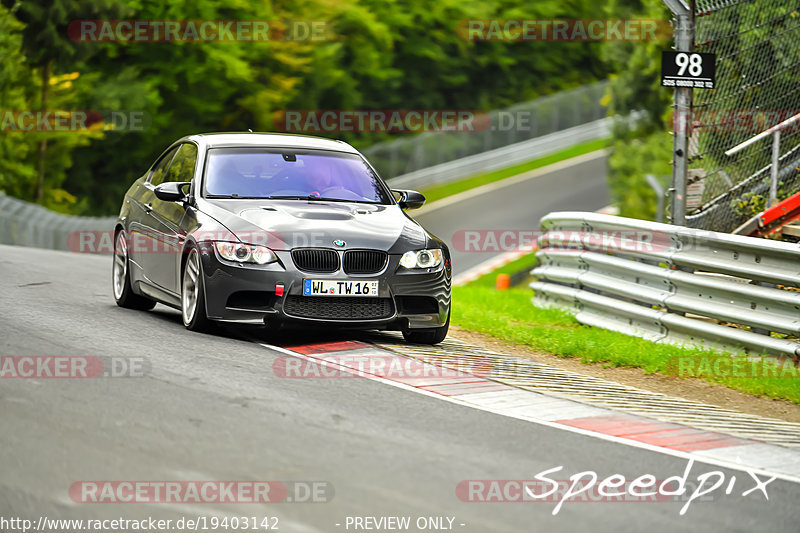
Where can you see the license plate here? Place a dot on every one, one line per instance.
(315, 287)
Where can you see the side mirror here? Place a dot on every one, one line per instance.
(409, 199)
(171, 191)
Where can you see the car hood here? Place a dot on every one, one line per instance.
(288, 224)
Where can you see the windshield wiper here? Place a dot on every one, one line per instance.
(309, 197)
(233, 196)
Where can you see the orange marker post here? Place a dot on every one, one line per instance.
(503, 282)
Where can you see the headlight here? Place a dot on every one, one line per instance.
(422, 259)
(245, 253)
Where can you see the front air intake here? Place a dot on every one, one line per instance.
(316, 260)
(338, 308)
(364, 261)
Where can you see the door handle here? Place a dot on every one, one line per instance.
(148, 207)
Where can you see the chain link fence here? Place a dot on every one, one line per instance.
(508, 126)
(757, 47)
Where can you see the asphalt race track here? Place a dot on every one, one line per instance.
(212, 408)
(569, 186)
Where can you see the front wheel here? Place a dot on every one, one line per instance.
(193, 297)
(123, 293)
(427, 335)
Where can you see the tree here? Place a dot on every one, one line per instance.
(46, 46)
(404, 54)
(641, 146)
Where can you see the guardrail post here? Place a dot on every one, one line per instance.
(684, 42)
(762, 331)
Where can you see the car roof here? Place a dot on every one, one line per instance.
(268, 140)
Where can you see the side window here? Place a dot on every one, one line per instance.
(157, 176)
(182, 167)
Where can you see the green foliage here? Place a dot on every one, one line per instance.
(16, 173)
(525, 263)
(404, 54)
(509, 316)
(629, 162)
(35, 42)
(636, 82)
(751, 204)
(44, 36)
(640, 146)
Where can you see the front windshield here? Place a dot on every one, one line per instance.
(248, 173)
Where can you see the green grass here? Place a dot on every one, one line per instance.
(510, 316)
(526, 262)
(442, 191)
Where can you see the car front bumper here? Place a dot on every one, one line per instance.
(251, 294)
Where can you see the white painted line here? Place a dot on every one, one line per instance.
(498, 261)
(560, 413)
(488, 266)
(715, 461)
(510, 398)
(763, 455)
(534, 404)
(513, 180)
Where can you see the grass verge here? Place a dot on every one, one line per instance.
(510, 316)
(448, 189)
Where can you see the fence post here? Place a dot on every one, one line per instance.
(659, 190)
(684, 42)
(773, 171)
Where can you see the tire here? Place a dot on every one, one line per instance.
(427, 335)
(193, 294)
(121, 279)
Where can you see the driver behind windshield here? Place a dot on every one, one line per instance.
(334, 176)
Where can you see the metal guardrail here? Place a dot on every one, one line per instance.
(517, 134)
(512, 125)
(671, 284)
(26, 224)
(504, 157)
